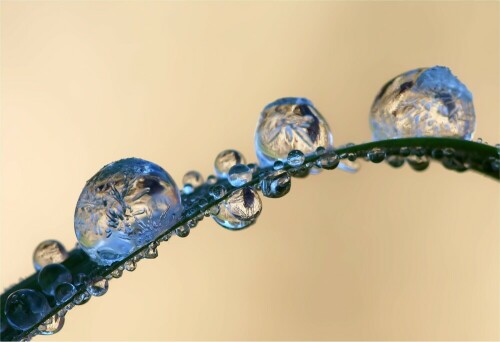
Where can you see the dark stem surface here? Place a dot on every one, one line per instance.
(475, 156)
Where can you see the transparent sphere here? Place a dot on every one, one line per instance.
(24, 308)
(423, 102)
(53, 326)
(52, 276)
(225, 160)
(239, 175)
(64, 292)
(49, 252)
(290, 124)
(239, 210)
(125, 205)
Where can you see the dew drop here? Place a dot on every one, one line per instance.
(376, 155)
(329, 160)
(24, 308)
(239, 210)
(98, 287)
(64, 292)
(423, 102)
(152, 251)
(187, 189)
(404, 151)
(49, 252)
(276, 185)
(124, 206)
(183, 231)
(278, 165)
(239, 175)
(54, 325)
(194, 178)
(395, 160)
(418, 163)
(211, 180)
(51, 276)
(117, 273)
(253, 167)
(295, 158)
(217, 191)
(130, 265)
(82, 298)
(225, 160)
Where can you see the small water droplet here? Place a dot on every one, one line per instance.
(239, 175)
(295, 158)
(64, 292)
(395, 160)
(130, 265)
(239, 210)
(81, 279)
(117, 273)
(98, 287)
(225, 160)
(211, 180)
(183, 231)
(55, 324)
(453, 163)
(329, 160)
(404, 151)
(217, 191)
(202, 203)
(194, 178)
(49, 252)
(253, 167)
(320, 151)
(278, 165)
(24, 308)
(51, 276)
(214, 210)
(376, 155)
(152, 251)
(276, 184)
(82, 298)
(187, 189)
(418, 163)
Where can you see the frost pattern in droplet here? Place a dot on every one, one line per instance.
(51, 276)
(24, 308)
(125, 205)
(290, 124)
(239, 210)
(48, 252)
(423, 102)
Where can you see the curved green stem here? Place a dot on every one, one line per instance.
(479, 157)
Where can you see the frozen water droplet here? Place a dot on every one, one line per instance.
(295, 158)
(418, 163)
(376, 155)
(194, 178)
(64, 292)
(225, 160)
(276, 184)
(290, 124)
(98, 287)
(239, 175)
(239, 210)
(49, 252)
(183, 231)
(278, 165)
(328, 160)
(395, 160)
(55, 324)
(24, 308)
(217, 191)
(423, 102)
(130, 265)
(51, 276)
(151, 251)
(124, 206)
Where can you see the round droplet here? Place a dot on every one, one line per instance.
(82, 298)
(404, 151)
(423, 102)
(239, 210)
(211, 179)
(183, 231)
(98, 287)
(81, 279)
(278, 165)
(64, 292)
(418, 163)
(290, 124)
(217, 191)
(395, 160)
(130, 265)
(376, 155)
(52, 276)
(117, 273)
(239, 175)
(329, 160)
(49, 252)
(151, 251)
(295, 158)
(225, 160)
(127, 204)
(24, 308)
(54, 325)
(194, 178)
(320, 151)
(276, 184)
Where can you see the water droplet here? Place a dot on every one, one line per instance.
(51, 276)
(395, 160)
(211, 180)
(194, 178)
(453, 163)
(214, 210)
(290, 124)
(276, 184)
(49, 252)
(329, 160)
(117, 273)
(152, 251)
(125, 205)
(239, 175)
(404, 151)
(239, 210)
(130, 265)
(187, 189)
(81, 279)
(183, 231)
(98, 287)
(54, 325)
(225, 160)
(217, 191)
(24, 308)
(82, 298)
(253, 167)
(278, 165)
(423, 102)
(376, 155)
(295, 158)
(351, 156)
(320, 151)
(418, 163)
(495, 164)
(64, 292)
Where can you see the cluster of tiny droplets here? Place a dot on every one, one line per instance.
(285, 149)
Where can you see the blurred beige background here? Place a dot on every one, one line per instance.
(383, 254)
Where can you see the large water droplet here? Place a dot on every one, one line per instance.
(24, 308)
(225, 160)
(239, 210)
(49, 252)
(423, 102)
(98, 287)
(239, 175)
(52, 326)
(51, 276)
(290, 124)
(64, 292)
(276, 184)
(127, 204)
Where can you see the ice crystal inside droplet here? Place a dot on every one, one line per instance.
(423, 102)
(125, 205)
(290, 124)
(49, 252)
(24, 308)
